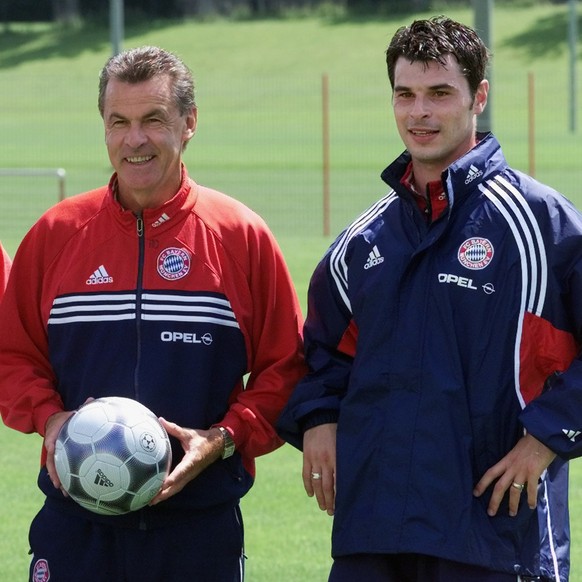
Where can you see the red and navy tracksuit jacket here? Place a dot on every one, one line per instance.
(434, 346)
(189, 309)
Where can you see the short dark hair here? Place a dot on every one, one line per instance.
(142, 64)
(431, 40)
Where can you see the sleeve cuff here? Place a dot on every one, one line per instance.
(317, 418)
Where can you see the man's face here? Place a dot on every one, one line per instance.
(145, 135)
(435, 112)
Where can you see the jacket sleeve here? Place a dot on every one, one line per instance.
(27, 384)
(5, 264)
(330, 338)
(555, 416)
(273, 325)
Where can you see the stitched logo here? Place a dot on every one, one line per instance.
(41, 572)
(571, 434)
(99, 277)
(475, 253)
(374, 258)
(173, 263)
(473, 174)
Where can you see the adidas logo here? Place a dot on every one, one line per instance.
(473, 174)
(102, 480)
(163, 218)
(572, 434)
(99, 277)
(374, 259)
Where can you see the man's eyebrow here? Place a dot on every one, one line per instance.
(156, 112)
(438, 87)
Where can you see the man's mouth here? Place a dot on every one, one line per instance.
(423, 132)
(138, 159)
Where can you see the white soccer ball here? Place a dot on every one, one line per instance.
(112, 455)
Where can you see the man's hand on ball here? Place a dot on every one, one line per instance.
(201, 449)
(52, 429)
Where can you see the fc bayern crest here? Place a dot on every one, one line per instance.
(173, 263)
(41, 572)
(475, 253)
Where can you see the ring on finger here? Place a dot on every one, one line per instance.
(315, 476)
(519, 486)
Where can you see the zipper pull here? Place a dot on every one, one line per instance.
(139, 226)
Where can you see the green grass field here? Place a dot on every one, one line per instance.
(259, 139)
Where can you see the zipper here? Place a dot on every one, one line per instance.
(139, 225)
(138, 300)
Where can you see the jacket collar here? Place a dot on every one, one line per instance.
(163, 217)
(463, 176)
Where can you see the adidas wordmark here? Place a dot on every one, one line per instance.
(99, 277)
(375, 258)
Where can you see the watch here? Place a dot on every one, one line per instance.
(229, 446)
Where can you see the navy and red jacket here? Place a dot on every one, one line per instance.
(434, 345)
(188, 308)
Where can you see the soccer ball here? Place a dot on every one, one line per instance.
(112, 455)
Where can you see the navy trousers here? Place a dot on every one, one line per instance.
(413, 568)
(69, 548)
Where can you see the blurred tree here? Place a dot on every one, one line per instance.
(198, 7)
(383, 6)
(66, 11)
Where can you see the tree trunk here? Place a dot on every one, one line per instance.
(66, 11)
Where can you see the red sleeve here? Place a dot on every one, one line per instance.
(27, 394)
(5, 264)
(272, 323)
(544, 349)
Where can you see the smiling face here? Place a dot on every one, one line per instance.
(145, 135)
(435, 114)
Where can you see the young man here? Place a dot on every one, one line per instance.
(444, 396)
(167, 292)
(5, 263)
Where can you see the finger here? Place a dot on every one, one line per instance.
(323, 486)
(515, 492)
(52, 471)
(487, 479)
(496, 497)
(307, 481)
(532, 497)
(315, 483)
(171, 427)
(172, 484)
(320, 493)
(328, 488)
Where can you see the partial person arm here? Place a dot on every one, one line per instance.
(27, 384)
(5, 264)
(551, 368)
(319, 465)
(309, 422)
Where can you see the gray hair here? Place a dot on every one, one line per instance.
(141, 64)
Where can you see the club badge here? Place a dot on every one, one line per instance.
(41, 572)
(475, 253)
(173, 264)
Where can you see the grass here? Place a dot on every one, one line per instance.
(259, 139)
